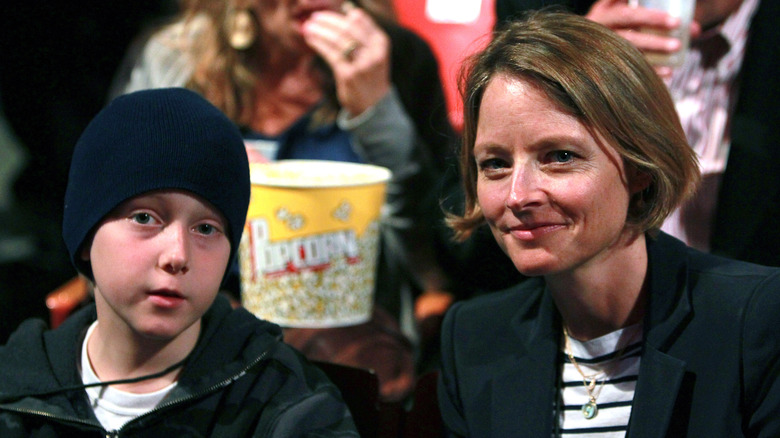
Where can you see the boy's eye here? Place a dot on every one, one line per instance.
(206, 229)
(142, 218)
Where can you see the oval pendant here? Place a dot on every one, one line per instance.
(589, 410)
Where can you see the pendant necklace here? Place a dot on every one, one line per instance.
(590, 409)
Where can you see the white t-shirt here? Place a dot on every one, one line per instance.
(112, 407)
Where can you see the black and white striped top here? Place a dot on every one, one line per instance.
(614, 361)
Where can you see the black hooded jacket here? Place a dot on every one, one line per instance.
(240, 380)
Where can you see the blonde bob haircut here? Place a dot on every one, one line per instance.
(605, 82)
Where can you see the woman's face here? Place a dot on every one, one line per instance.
(554, 198)
(282, 20)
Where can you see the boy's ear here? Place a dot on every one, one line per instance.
(84, 252)
(86, 247)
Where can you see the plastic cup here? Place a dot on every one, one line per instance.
(682, 9)
(309, 249)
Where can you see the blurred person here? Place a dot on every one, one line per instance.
(574, 156)
(325, 80)
(380, 8)
(312, 80)
(729, 109)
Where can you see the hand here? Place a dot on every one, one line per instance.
(628, 21)
(358, 52)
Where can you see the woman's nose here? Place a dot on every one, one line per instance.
(524, 191)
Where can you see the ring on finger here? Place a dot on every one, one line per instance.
(349, 52)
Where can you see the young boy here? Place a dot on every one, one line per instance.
(154, 210)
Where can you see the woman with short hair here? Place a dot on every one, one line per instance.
(573, 155)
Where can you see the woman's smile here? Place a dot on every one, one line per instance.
(534, 231)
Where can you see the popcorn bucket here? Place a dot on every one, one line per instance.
(310, 245)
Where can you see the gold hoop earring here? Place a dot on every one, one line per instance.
(241, 30)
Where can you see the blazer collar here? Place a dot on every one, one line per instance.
(669, 304)
(537, 322)
(669, 310)
(524, 387)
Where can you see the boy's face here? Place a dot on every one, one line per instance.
(158, 260)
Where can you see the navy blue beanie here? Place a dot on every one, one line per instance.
(169, 138)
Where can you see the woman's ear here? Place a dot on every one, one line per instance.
(638, 180)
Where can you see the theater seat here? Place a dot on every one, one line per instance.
(415, 418)
(62, 301)
(360, 389)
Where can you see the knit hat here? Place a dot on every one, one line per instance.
(148, 140)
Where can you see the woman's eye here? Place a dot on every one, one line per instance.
(142, 218)
(491, 164)
(561, 156)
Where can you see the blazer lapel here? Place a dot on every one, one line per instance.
(660, 375)
(659, 382)
(524, 388)
(669, 304)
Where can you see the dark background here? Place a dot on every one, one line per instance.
(57, 62)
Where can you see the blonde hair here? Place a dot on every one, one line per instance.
(600, 78)
(220, 72)
(227, 76)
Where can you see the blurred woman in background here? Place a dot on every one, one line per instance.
(326, 80)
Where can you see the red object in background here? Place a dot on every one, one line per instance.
(62, 301)
(451, 41)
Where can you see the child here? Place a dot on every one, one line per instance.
(154, 210)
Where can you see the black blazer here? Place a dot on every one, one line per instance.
(710, 366)
(746, 224)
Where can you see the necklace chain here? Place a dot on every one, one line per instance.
(590, 409)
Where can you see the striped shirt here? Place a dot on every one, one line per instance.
(704, 89)
(613, 360)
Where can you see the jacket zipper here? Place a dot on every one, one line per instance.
(72, 420)
(209, 390)
(117, 433)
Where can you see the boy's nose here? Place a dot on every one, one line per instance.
(174, 255)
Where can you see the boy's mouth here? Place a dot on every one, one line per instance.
(166, 298)
(166, 292)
